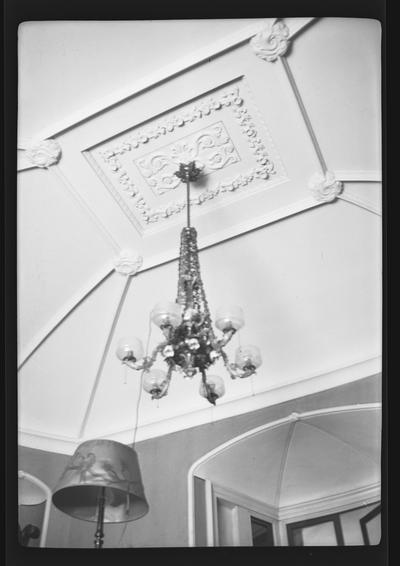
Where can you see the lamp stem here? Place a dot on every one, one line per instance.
(188, 200)
(99, 535)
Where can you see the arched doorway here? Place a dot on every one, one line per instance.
(307, 479)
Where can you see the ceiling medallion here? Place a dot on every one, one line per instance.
(44, 154)
(190, 345)
(324, 186)
(128, 262)
(269, 44)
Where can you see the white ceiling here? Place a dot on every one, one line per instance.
(307, 273)
(306, 458)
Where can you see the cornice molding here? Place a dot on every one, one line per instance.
(337, 503)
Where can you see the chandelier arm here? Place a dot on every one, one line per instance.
(133, 365)
(228, 365)
(227, 336)
(167, 330)
(234, 370)
(149, 360)
(146, 362)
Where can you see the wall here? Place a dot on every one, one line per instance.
(165, 462)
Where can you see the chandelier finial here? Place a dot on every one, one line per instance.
(188, 171)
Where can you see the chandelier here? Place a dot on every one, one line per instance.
(190, 345)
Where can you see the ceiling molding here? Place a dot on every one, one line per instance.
(110, 334)
(304, 113)
(296, 25)
(333, 503)
(362, 203)
(248, 225)
(270, 396)
(185, 63)
(63, 313)
(353, 191)
(362, 176)
(211, 146)
(359, 452)
(108, 237)
(337, 503)
(285, 451)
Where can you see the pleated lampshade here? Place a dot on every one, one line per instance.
(96, 464)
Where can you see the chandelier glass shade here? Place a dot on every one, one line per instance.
(190, 345)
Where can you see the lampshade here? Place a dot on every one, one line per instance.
(166, 313)
(96, 464)
(248, 356)
(129, 347)
(29, 493)
(229, 317)
(216, 385)
(154, 382)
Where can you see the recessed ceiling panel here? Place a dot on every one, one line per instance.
(220, 130)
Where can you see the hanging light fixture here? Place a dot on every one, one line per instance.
(190, 344)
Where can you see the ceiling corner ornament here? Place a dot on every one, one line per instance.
(325, 187)
(128, 263)
(44, 154)
(271, 43)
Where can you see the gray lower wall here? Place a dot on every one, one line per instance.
(165, 462)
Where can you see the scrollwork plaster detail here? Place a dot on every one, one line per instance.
(44, 154)
(325, 187)
(211, 148)
(128, 262)
(228, 99)
(271, 43)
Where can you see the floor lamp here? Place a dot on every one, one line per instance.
(102, 483)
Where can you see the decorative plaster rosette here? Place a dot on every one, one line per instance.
(269, 44)
(128, 263)
(229, 98)
(325, 188)
(44, 154)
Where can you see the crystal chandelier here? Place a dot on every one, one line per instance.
(190, 345)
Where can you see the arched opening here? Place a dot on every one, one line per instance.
(305, 480)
